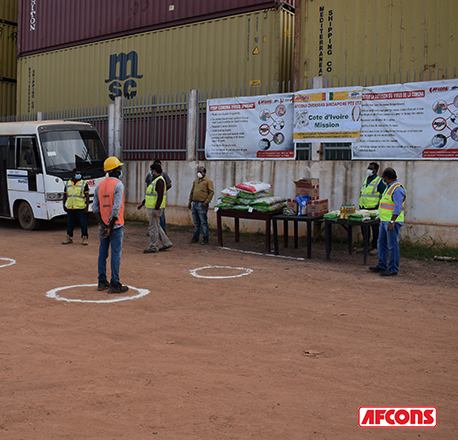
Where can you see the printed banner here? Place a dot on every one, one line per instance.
(409, 121)
(257, 127)
(327, 115)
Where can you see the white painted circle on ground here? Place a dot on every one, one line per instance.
(195, 274)
(11, 262)
(53, 294)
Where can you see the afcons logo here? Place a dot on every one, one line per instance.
(122, 76)
(397, 417)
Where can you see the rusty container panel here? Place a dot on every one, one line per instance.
(8, 12)
(8, 61)
(227, 52)
(380, 38)
(53, 24)
(7, 98)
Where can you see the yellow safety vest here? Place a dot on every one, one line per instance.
(370, 198)
(151, 194)
(76, 199)
(386, 207)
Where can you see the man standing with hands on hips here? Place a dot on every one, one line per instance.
(391, 213)
(200, 197)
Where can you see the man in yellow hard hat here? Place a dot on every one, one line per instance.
(108, 208)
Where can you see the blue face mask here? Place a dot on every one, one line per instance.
(120, 175)
(77, 176)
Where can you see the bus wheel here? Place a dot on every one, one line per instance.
(25, 217)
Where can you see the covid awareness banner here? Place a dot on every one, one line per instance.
(327, 115)
(409, 121)
(257, 127)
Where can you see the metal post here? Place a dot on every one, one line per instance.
(316, 147)
(191, 146)
(115, 128)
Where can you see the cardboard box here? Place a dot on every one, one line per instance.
(315, 208)
(307, 187)
(291, 204)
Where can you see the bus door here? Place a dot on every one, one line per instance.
(4, 203)
(29, 162)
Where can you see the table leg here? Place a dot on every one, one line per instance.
(296, 235)
(237, 229)
(268, 236)
(285, 232)
(220, 229)
(327, 235)
(275, 226)
(365, 241)
(350, 239)
(309, 239)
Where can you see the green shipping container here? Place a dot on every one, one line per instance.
(253, 48)
(9, 12)
(7, 99)
(379, 38)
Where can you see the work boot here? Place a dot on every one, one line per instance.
(84, 241)
(205, 240)
(68, 240)
(117, 288)
(103, 285)
(194, 240)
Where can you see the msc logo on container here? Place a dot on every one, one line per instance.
(122, 81)
(397, 417)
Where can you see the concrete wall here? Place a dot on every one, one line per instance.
(431, 207)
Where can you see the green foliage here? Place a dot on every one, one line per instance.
(425, 247)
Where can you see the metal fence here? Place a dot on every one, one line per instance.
(156, 126)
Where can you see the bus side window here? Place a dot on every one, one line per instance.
(28, 154)
(8, 143)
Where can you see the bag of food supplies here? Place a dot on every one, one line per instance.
(253, 186)
(232, 192)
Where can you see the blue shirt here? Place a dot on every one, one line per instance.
(398, 196)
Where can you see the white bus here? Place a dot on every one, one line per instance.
(36, 160)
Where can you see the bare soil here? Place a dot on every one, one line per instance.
(289, 351)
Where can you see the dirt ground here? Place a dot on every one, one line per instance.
(288, 351)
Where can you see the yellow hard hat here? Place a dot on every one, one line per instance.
(111, 163)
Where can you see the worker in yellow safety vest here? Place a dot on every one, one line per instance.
(371, 193)
(76, 203)
(391, 213)
(155, 200)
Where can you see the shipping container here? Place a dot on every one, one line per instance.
(231, 51)
(47, 25)
(380, 39)
(8, 60)
(8, 12)
(7, 98)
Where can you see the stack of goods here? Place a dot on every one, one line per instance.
(345, 210)
(250, 196)
(363, 215)
(333, 215)
(314, 206)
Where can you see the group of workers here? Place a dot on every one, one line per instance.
(108, 208)
(383, 193)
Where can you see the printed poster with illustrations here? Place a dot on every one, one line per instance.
(327, 115)
(257, 127)
(409, 121)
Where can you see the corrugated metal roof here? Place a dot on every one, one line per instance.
(52, 24)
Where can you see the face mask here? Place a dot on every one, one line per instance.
(120, 175)
(199, 175)
(370, 172)
(77, 176)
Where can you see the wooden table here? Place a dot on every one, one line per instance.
(296, 219)
(365, 225)
(237, 215)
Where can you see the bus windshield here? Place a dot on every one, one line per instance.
(65, 150)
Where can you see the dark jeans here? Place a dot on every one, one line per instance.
(199, 218)
(72, 216)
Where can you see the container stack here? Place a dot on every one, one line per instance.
(85, 53)
(8, 61)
